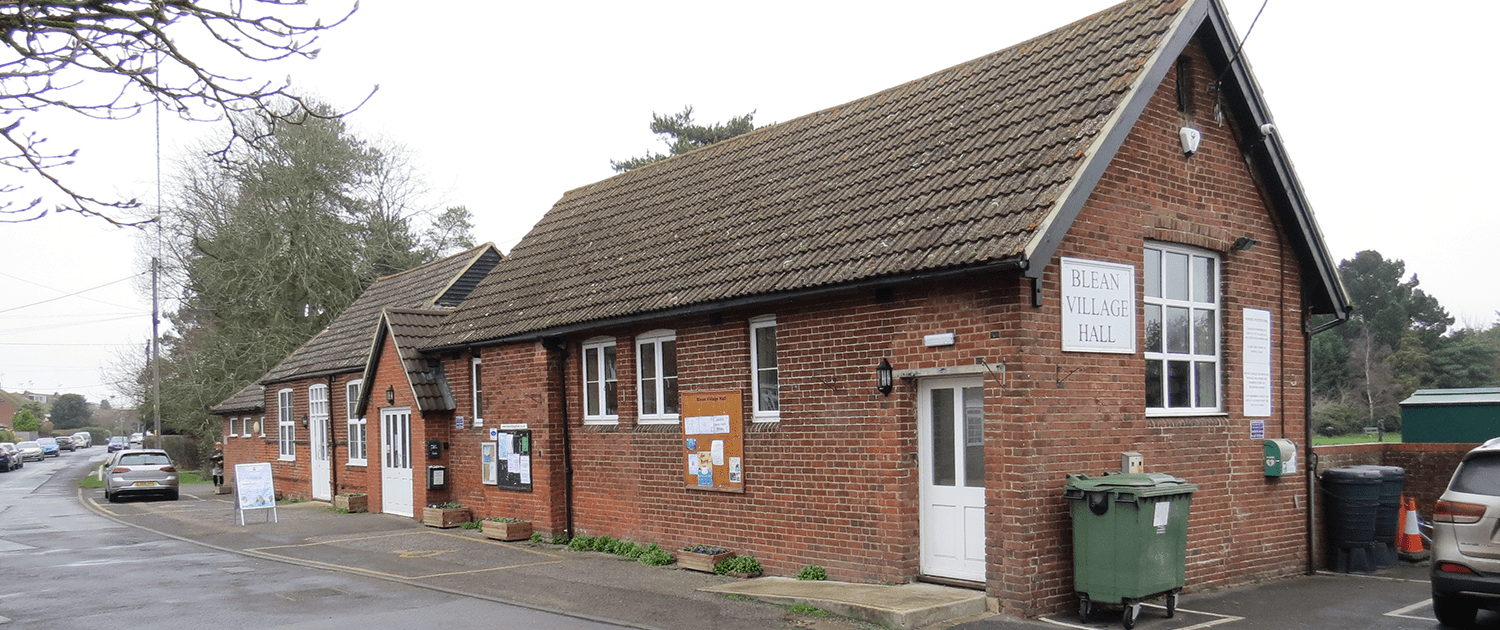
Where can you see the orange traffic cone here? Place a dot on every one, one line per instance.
(1409, 540)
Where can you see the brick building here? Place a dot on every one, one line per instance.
(1083, 245)
(299, 415)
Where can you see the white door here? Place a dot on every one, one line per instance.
(395, 462)
(322, 463)
(950, 436)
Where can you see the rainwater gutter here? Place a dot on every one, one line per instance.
(561, 348)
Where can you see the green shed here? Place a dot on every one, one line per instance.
(1451, 415)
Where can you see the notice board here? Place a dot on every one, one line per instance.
(512, 459)
(713, 440)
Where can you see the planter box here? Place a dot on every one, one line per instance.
(445, 518)
(496, 530)
(701, 561)
(352, 503)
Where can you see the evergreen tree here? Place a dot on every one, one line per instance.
(686, 135)
(71, 411)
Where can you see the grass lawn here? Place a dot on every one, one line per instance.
(1356, 438)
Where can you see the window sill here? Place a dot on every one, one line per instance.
(284, 458)
(601, 421)
(360, 463)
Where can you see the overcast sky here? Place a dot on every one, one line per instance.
(509, 106)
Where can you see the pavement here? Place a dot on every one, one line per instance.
(606, 588)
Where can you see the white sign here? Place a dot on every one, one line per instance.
(1098, 306)
(254, 490)
(1257, 352)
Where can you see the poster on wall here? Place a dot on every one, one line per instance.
(513, 459)
(1098, 310)
(1257, 327)
(713, 441)
(487, 463)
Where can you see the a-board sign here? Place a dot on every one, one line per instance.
(254, 489)
(713, 441)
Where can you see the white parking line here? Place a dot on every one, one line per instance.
(1401, 612)
(1220, 619)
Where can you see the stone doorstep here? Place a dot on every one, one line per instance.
(900, 606)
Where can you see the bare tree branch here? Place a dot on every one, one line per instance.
(110, 59)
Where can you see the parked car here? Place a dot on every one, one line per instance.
(118, 443)
(8, 458)
(145, 471)
(17, 460)
(1465, 554)
(83, 439)
(137, 440)
(31, 451)
(49, 446)
(65, 443)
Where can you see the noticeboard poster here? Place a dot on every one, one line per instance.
(713, 441)
(513, 459)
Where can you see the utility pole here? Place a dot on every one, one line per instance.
(155, 351)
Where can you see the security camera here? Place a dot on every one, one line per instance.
(1267, 129)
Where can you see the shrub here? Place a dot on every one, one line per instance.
(581, 543)
(536, 537)
(559, 539)
(738, 564)
(654, 556)
(812, 572)
(472, 525)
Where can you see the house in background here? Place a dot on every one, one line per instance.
(299, 416)
(878, 337)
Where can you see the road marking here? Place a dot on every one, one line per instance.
(424, 553)
(1221, 619)
(406, 554)
(1401, 612)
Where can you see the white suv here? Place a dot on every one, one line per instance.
(83, 439)
(1465, 555)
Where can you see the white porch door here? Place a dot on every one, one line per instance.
(395, 462)
(322, 459)
(950, 436)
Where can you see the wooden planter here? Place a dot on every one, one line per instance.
(496, 530)
(352, 502)
(701, 561)
(444, 517)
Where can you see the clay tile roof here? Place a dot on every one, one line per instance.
(345, 344)
(959, 168)
(251, 399)
(412, 330)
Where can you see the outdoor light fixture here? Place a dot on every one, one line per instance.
(304, 421)
(1243, 244)
(390, 395)
(883, 377)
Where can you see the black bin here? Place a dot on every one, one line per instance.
(1352, 501)
(1388, 512)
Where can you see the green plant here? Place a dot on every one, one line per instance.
(559, 539)
(705, 550)
(603, 543)
(472, 525)
(738, 564)
(581, 543)
(654, 556)
(503, 519)
(807, 609)
(446, 505)
(812, 572)
(536, 537)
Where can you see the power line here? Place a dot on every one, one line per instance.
(17, 308)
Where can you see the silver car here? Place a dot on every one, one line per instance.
(146, 471)
(13, 458)
(31, 451)
(1465, 553)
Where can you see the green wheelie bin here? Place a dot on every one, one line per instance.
(1129, 540)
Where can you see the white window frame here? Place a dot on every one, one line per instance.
(657, 386)
(476, 389)
(1159, 353)
(596, 390)
(262, 425)
(232, 431)
(756, 371)
(358, 438)
(286, 427)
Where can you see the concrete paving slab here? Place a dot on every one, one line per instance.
(900, 606)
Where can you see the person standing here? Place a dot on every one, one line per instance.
(216, 460)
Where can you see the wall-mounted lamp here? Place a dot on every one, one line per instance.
(304, 421)
(884, 377)
(1243, 244)
(390, 395)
